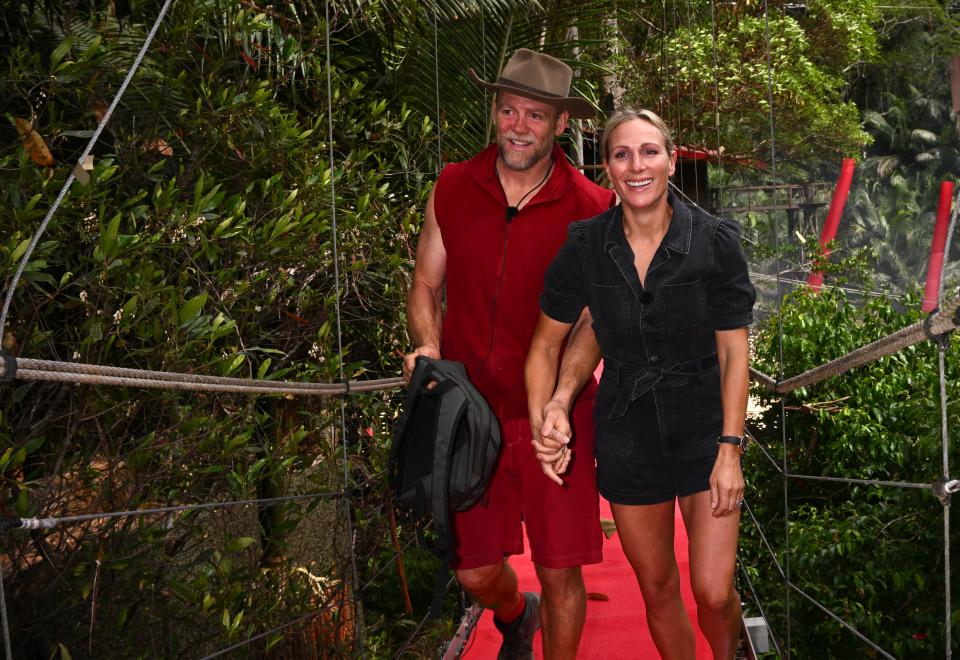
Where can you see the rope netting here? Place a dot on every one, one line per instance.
(348, 500)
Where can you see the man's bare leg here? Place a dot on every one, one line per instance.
(563, 609)
(494, 587)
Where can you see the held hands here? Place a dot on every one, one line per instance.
(410, 359)
(726, 482)
(551, 437)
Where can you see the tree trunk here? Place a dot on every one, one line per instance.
(612, 90)
(576, 126)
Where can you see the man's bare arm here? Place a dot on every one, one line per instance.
(425, 297)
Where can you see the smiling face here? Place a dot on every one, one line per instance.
(639, 165)
(525, 130)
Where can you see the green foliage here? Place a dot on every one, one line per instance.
(870, 554)
(706, 70)
(904, 95)
(226, 231)
(222, 232)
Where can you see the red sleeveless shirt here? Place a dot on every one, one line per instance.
(495, 268)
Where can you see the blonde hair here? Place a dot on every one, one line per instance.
(629, 114)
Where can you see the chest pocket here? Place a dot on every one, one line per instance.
(685, 305)
(610, 307)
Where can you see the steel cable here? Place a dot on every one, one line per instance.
(56, 521)
(763, 614)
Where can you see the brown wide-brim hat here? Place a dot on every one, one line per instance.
(542, 78)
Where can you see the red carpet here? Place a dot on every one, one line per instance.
(614, 629)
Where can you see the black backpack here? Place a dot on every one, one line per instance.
(444, 450)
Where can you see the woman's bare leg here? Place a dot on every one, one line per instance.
(713, 556)
(646, 533)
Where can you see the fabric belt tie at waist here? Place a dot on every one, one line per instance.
(638, 382)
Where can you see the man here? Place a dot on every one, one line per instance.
(492, 225)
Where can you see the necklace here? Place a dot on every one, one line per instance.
(512, 211)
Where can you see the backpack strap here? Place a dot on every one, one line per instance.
(422, 374)
(448, 420)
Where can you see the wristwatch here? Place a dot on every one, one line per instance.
(738, 440)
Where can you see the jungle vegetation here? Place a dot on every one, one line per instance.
(252, 211)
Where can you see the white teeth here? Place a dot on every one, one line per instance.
(639, 184)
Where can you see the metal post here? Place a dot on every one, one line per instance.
(947, 632)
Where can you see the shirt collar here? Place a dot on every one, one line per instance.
(678, 234)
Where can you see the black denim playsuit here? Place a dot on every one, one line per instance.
(658, 410)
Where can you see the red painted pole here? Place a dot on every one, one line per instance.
(938, 247)
(830, 225)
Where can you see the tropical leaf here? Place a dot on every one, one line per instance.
(924, 136)
(34, 143)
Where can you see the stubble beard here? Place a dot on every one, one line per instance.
(517, 162)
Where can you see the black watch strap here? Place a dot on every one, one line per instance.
(738, 440)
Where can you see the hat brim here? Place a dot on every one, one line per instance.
(578, 108)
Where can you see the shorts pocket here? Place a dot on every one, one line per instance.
(614, 445)
(610, 307)
(709, 405)
(610, 440)
(692, 417)
(676, 409)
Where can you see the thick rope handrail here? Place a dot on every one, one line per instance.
(939, 322)
(53, 522)
(78, 372)
(762, 378)
(954, 217)
(83, 157)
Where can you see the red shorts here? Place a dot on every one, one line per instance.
(563, 523)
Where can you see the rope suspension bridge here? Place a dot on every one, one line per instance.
(936, 328)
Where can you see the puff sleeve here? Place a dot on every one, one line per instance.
(564, 290)
(730, 295)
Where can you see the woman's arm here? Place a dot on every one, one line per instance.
(549, 417)
(726, 480)
(580, 360)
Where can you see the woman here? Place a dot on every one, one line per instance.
(667, 288)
